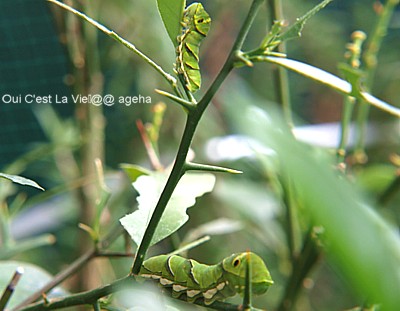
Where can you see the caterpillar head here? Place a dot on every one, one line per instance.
(235, 267)
(201, 19)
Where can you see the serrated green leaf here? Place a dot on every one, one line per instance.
(21, 180)
(150, 187)
(171, 12)
(294, 31)
(134, 171)
(33, 279)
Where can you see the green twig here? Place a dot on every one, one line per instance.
(247, 285)
(89, 297)
(9, 290)
(183, 102)
(371, 61)
(291, 219)
(280, 74)
(72, 268)
(301, 268)
(190, 166)
(92, 296)
(328, 79)
(96, 306)
(193, 119)
(353, 54)
(171, 80)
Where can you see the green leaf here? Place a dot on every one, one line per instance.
(21, 180)
(134, 171)
(334, 203)
(33, 279)
(294, 31)
(150, 187)
(330, 80)
(171, 12)
(376, 178)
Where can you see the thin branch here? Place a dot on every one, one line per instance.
(370, 58)
(193, 119)
(280, 74)
(229, 64)
(183, 102)
(89, 297)
(72, 268)
(302, 266)
(5, 297)
(171, 80)
(151, 153)
(328, 79)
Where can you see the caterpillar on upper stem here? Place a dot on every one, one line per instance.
(212, 283)
(195, 26)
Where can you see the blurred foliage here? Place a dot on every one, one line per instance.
(254, 199)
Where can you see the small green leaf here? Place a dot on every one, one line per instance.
(171, 12)
(294, 31)
(134, 171)
(150, 187)
(33, 279)
(21, 180)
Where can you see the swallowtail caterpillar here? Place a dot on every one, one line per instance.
(195, 26)
(212, 283)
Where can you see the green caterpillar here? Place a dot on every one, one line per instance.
(195, 26)
(215, 282)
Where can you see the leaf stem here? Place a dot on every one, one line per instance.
(190, 166)
(192, 121)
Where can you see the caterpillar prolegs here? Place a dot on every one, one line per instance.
(195, 26)
(210, 282)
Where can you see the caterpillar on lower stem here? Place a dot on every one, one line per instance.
(210, 282)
